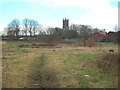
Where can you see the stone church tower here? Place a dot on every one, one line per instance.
(65, 24)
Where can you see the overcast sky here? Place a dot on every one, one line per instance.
(102, 14)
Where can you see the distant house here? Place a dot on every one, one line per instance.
(110, 36)
(98, 37)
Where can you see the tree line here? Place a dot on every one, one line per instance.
(14, 28)
(32, 29)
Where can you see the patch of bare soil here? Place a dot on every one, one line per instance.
(1, 42)
(68, 42)
(38, 46)
(44, 79)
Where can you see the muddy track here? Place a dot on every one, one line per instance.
(41, 76)
(36, 45)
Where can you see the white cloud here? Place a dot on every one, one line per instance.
(13, 0)
(52, 24)
(67, 12)
(101, 15)
(34, 6)
(70, 3)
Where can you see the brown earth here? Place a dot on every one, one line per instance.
(38, 46)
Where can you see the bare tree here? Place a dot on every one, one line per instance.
(26, 26)
(9, 32)
(54, 34)
(50, 30)
(13, 28)
(95, 30)
(35, 24)
(30, 26)
(57, 35)
(85, 33)
(40, 30)
(69, 34)
(74, 27)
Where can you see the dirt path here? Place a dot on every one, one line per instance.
(17, 70)
(42, 75)
(34, 69)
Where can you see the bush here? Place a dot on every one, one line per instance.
(91, 42)
(108, 63)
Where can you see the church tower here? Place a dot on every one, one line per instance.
(65, 24)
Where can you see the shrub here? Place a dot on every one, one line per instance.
(108, 63)
(91, 42)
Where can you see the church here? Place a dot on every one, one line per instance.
(65, 24)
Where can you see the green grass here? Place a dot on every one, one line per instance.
(60, 68)
(4, 58)
(88, 56)
(17, 62)
(11, 51)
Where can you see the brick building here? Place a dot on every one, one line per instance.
(108, 37)
(98, 37)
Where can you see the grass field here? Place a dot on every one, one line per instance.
(69, 66)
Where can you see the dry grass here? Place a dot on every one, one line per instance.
(1, 42)
(108, 63)
(54, 67)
